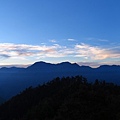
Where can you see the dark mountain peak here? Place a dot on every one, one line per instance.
(38, 65)
(68, 64)
(64, 63)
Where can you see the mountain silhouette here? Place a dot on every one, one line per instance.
(14, 80)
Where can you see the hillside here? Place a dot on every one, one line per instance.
(70, 98)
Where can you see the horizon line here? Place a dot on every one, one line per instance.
(78, 63)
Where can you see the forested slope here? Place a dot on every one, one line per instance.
(70, 98)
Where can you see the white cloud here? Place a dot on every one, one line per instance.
(22, 50)
(53, 41)
(92, 64)
(43, 43)
(71, 39)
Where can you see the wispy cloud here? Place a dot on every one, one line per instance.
(96, 39)
(71, 39)
(53, 41)
(23, 50)
(103, 40)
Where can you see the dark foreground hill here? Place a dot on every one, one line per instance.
(14, 80)
(65, 99)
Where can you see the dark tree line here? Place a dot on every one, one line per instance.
(70, 98)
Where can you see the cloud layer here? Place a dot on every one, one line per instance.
(82, 50)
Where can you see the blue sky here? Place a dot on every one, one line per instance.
(82, 31)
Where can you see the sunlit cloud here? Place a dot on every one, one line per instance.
(92, 64)
(94, 52)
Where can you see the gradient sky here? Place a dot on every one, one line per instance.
(82, 31)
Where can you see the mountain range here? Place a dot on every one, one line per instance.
(14, 80)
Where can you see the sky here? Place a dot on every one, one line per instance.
(86, 32)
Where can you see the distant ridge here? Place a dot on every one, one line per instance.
(109, 66)
(39, 65)
(49, 66)
(67, 64)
